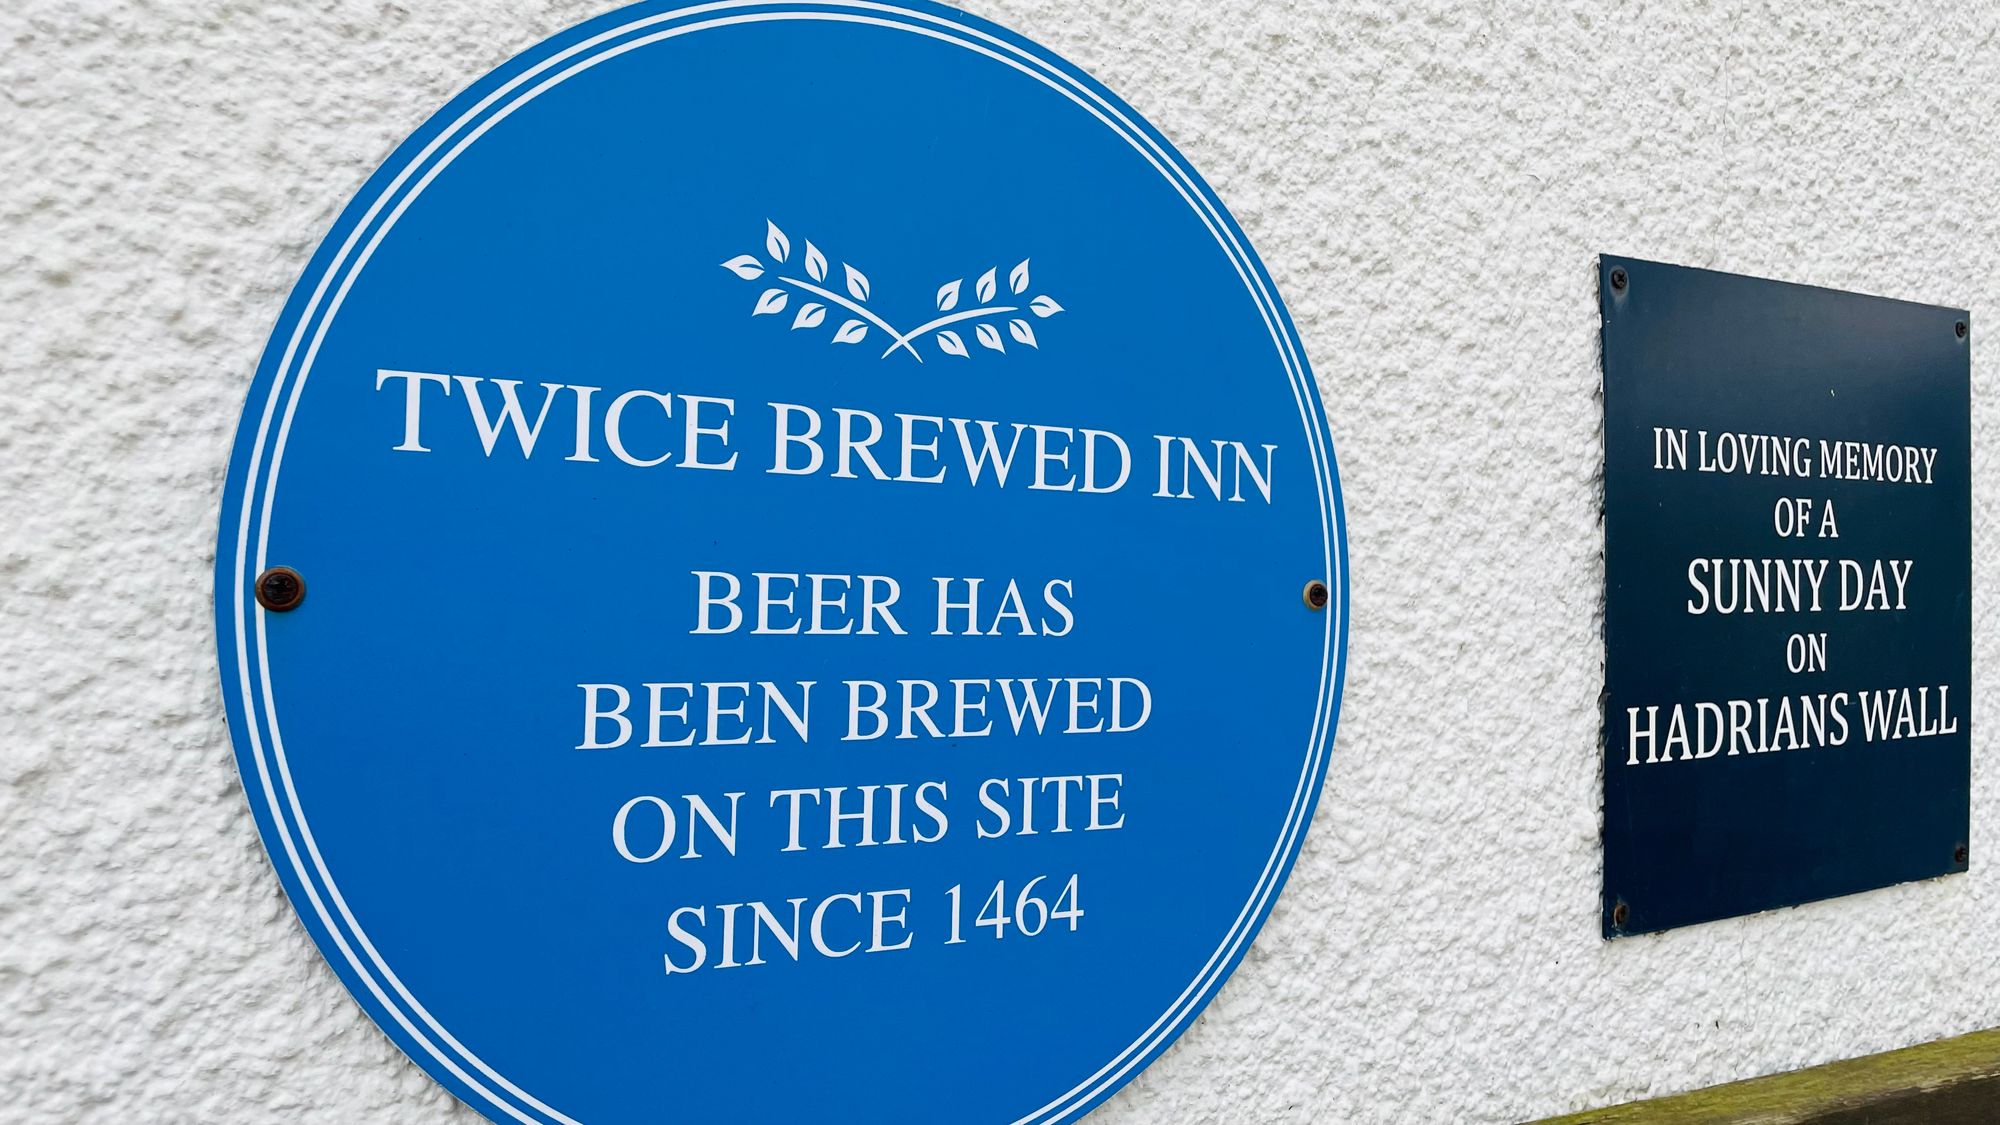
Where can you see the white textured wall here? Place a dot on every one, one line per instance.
(1427, 182)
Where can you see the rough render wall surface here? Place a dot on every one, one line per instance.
(1428, 183)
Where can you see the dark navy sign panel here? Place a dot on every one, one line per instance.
(1788, 576)
(804, 510)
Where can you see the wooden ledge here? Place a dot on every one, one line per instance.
(1950, 1082)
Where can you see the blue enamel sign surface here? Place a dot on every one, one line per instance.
(1788, 583)
(806, 514)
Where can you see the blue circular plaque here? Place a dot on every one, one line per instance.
(816, 583)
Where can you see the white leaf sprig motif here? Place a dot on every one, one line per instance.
(990, 308)
(993, 308)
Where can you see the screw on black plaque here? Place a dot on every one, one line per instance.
(1958, 856)
(1317, 594)
(1620, 914)
(1961, 329)
(280, 589)
(1618, 279)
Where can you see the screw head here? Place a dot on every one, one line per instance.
(1317, 595)
(1619, 280)
(280, 589)
(1961, 329)
(1620, 914)
(1958, 855)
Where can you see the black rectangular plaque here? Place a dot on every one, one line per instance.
(1788, 593)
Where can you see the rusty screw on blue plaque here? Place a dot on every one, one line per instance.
(280, 589)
